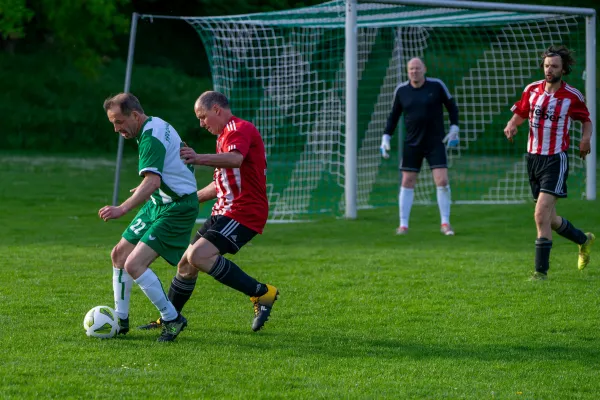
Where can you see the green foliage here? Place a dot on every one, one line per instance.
(84, 30)
(363, 314)
(59, 109)
(14, 14)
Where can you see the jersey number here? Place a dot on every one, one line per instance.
(138, 226)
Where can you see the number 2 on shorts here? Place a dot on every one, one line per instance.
(138, 226)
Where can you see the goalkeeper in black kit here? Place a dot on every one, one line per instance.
(420, 99)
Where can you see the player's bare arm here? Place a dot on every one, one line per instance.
(511, 126)
(232, 159)
(142, 193)
(207, 193)
(586, 136)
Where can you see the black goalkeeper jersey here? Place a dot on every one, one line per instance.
(423, 112)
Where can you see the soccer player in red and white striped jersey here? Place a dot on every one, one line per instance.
(239, 214)
(550, 105)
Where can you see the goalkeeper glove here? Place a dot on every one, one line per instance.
(385, 146)
(452, 137)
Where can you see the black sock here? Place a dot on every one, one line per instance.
(228, 273)
(542, 255)
(180, 291)
(568, 231)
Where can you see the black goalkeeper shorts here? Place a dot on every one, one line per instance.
(412, 157)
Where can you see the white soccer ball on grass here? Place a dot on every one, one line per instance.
(101, 322)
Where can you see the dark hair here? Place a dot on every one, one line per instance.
(126, 102)
(210, 98)
(564, 53)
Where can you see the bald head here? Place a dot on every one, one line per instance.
(415, 61)
(416, 71)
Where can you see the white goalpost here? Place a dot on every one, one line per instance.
(318, 82)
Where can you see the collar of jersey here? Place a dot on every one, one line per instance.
(543, 87)
(142, 128)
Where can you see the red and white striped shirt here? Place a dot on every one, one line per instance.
(242, 192)
(550, 116)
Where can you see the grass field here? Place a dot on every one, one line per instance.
(363, 313)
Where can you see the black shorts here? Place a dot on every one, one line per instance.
(412, 157)
(548, 174)
(225, 233)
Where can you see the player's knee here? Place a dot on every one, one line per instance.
(440, 177)
(133, 269)
(442, 182)
(118, 256)
(198, 259)
(186, 270)
(408, 183)
(540, 216)
(409, 179)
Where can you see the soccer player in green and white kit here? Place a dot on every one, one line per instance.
(163, 225)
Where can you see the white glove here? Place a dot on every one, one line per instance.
(452, 137)
(385, 146)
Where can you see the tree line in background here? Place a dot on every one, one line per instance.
(89, 30)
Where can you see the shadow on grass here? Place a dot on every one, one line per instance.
(394, 349)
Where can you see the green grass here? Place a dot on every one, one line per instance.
(362, 314)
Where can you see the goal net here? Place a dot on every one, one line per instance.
(284, 71)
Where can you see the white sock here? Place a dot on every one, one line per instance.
(443, 199)
(122, 284)
(152, 288)
(405, 201)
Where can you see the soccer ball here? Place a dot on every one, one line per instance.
(101, 322)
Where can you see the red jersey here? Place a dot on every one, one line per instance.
(550, 116)
(242, 192)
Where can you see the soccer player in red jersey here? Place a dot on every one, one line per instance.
(239, 213)
(550, 105)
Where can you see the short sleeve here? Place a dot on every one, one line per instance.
(238, 140)
(521, 107)
(152, 154)
(579, 111)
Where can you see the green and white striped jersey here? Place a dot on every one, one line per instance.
(159, 145)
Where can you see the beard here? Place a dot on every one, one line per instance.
(553, 79)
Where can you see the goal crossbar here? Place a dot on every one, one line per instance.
(483, 5)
